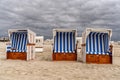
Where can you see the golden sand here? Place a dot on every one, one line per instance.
(43, 68)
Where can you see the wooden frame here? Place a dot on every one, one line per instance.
(64, 56)
(99, 59)
(16, 55)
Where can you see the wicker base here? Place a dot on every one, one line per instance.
(100, 59)
(64, 56)
(16, 55)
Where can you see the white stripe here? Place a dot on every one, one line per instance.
(91, 42)
(13, 41)
(72, 43)
(107, 45)
(23, 42)
(58, 41)
(99, 42)
(65, 42)
(103, 44)
(18, 43)
(62, 43)
(95, 43)
(69, 41)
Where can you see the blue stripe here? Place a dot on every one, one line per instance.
(14, 42)
(60, 41)
(87, 45)
(24, 43)
(100, 43)
(22, 38)
(11, 40)
(16, 39)
(95, 40)
(19, 41)
(74, 40)
(57, 42)
(65, 42)
(97, 43)
(71, 42)
(93, 36)
(90, 42)
(103, 52)
(93, 50)
(18, 46)
(106, 43)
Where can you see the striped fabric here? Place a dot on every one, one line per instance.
(8, 48)
(64, 42)
(18, 41)
(97, 43)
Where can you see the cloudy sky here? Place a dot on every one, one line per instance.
(42, 16)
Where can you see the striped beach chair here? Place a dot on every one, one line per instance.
(96, 45)
(64, 47)
(22, 44)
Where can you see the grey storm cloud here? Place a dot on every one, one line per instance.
(42, 16)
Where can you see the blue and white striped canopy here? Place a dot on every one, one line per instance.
(18, 41)
(97, 43)
(64, 42)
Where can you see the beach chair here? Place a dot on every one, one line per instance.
(64, 46)
(22, 44)
(95, 46)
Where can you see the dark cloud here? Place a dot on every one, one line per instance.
(42, 16)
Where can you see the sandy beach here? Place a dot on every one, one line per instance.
(43, 68)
